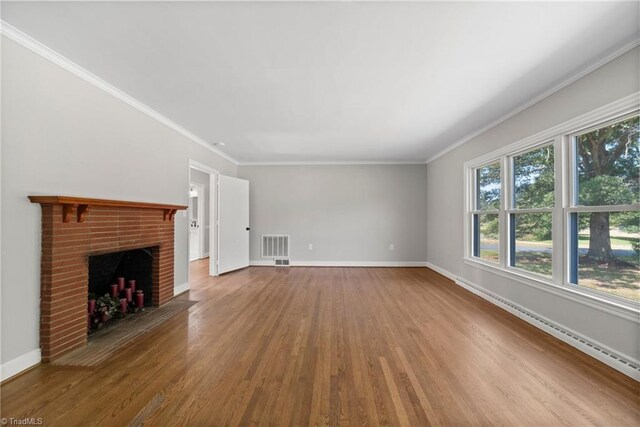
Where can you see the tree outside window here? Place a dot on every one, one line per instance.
(606, 240)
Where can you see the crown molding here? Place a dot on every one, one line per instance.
(333, 163)
(603, 60)
(46, 52)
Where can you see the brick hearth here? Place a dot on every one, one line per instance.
(73, 231)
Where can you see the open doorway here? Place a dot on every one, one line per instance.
(202, 215)
(199, 222)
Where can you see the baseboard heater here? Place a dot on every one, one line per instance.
(621, 364)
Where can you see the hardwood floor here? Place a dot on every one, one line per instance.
(332, 346)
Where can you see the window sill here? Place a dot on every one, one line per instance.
(627, 310)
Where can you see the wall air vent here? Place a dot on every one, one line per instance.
(275, 246)
(282, 262)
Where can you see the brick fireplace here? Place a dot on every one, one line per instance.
(75, 228)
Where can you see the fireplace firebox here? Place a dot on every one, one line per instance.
(136, 264)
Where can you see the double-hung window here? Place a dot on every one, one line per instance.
(532, 198)
(563, 207)
(604, 216)
(486, 215)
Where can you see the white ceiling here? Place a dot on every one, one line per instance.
(344, 81)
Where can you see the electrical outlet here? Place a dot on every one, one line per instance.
(310, 246)
(392, 247)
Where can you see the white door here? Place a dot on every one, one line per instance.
(233, 223)
(195, 248)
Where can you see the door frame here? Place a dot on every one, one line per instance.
(201, 191)
(213, 214)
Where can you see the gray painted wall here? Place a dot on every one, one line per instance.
(198, 177)
(62, 135)
(348, 213)
(615, 80)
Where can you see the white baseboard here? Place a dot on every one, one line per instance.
(177, 290)
(261, 263)
(19, 364)
(620, 362)
(205, 255)
(344, 263)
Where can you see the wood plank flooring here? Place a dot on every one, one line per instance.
(332, 346)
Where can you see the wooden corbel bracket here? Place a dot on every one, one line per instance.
(67, 211)
(82, 212)
(169, 214)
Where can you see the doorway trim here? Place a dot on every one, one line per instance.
(213, 214)
(200, 189)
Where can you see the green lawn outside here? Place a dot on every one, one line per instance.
(623, 243)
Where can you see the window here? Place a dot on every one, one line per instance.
(563, 207)
(604, 221)
(530, 244)
(486, 215)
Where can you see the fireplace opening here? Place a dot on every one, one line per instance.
(120, 284)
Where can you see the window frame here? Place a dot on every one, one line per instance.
(511, 209)
(562, 138)
(476, 211)
(574, 208)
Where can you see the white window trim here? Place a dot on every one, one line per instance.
(473, 200)
(509, 209)
(560, 136)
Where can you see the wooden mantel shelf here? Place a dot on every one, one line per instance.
(81, 205)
